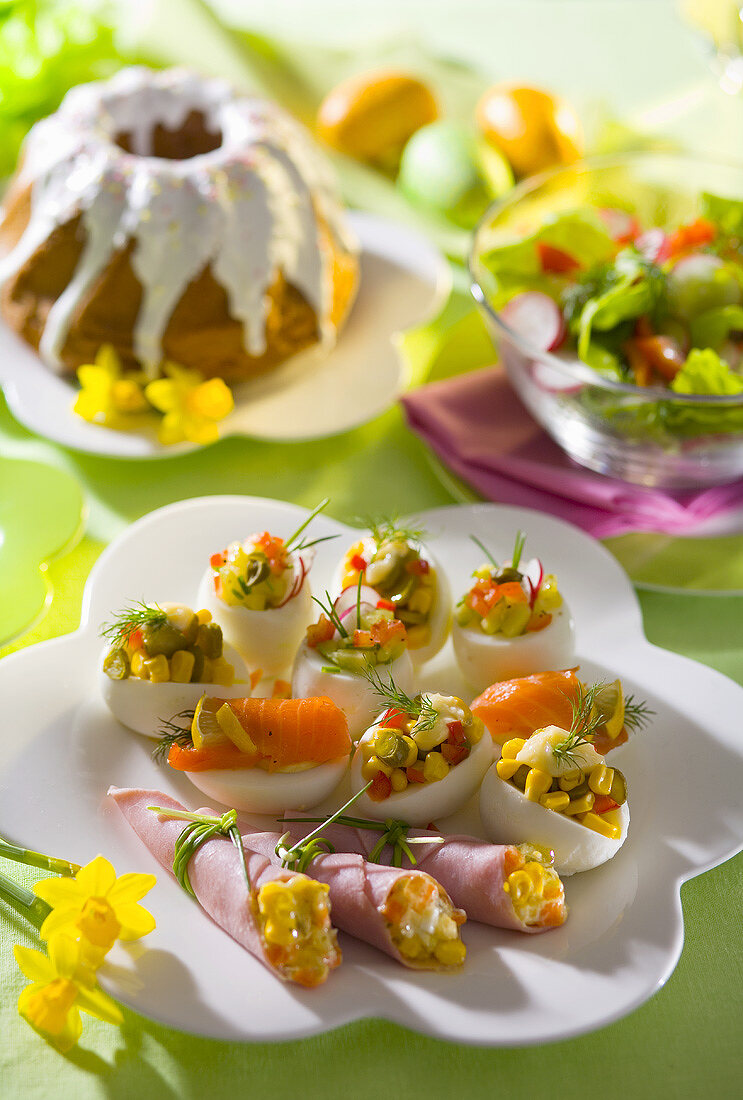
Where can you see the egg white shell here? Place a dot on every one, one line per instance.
(141, 705)
(264, 792)
(266, 640)
(352, 693)
(441, 610)
(486, 658)
(420, 803)
(508, 817)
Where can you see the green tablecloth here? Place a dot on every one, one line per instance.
(684, 1042)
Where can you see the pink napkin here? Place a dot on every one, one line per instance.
(478, 427)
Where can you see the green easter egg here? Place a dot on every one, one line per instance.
(446, 170)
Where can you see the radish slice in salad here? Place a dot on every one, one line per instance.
(537, 318)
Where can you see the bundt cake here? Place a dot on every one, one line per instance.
(163, 214)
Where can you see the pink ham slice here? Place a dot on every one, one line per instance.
(472, 871)
(215, 869)
(358, 892)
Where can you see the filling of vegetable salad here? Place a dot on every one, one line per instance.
(423, 923)
(256, 574)
(535, 889)
(405, 581)
(166, 644)
(636, 303)
(504, 601)
(564, 773)
(373, 637)
(294, 918)
(419, 748)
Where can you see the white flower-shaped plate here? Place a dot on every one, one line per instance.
(61, 750)
(403, 281)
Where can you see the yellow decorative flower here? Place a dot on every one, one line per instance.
(108, 396)
(192, 406)
(61, 987)
(97, 907)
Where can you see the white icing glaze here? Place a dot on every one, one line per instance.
(250, 208)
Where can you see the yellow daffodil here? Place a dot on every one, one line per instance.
(61, 987)
(107, 395)
(192, 406)
(97, 907)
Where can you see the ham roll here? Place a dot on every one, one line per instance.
(405, 913)
(284, 920)
(504, 885)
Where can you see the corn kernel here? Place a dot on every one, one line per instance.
(204, 616)
(597, 823)
(535, 871)
(421, 600)
(512, 748)
(374, 765)
(506, 769)
(434, 767)
(222, 672)
(157, 669)
(450, 952)
(368, 750)
(581, 805)
(136, 665)
(399, 780)
(410, 946)
(181, 666)
(555, 800)
(601, 779)
(520, 886)
(537, 784)
(570, 780)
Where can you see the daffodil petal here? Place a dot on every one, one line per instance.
(64, 954)
(61, 892)
(97, 1003)
(108, 360)
(171, 429)
(130, 887)
(96, 877)
(196, 429)
(61, 920)
(162, 394)
(135, 921)
(34, 964)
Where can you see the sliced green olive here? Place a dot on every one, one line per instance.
(579, 791)
(257, 570)
(394, 752)
(184, 620)
(116, 663)
(162, 638)
(519, 779)
(197, 673)
(618, 788)
(209, 640)
(508, 574)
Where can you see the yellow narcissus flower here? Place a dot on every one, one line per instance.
(61, 987)
(107, 395)
(96, 906)
(192, 406)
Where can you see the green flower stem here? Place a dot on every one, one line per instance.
(23, 901)
(37, 859)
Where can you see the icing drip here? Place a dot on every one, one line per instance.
(250, 208)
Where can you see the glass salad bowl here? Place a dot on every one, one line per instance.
(647, 434)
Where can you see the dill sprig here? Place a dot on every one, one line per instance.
(637, 713)
(172, 733)
(390, 529)
(582, 727)
(124, 623)
(388, 691)
(294, 544)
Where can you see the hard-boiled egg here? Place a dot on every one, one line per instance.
(143, 706)
(439, 620)
(263, 792)
(266, 640)
(348, 690)
(420, 803)
(486, 658)
(508, 817)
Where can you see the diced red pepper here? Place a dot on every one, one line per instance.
(362, 638)
(358, 563)
(454, 754)
(555, 260)
(385, 605)
(419, 567)
(217, 560)
(537, 623)
(415, 775)
(321, 631)
(602, 803)
(135, 639)
(381, 787)
(686, 238)
(387, 630)
(394, 719)
(456, 733)
(273, 547)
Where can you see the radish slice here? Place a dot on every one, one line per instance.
(535, 316)
(364, 608)
(349, 596)
(651, 243)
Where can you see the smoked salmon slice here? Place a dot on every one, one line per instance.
(294, 731)
(516, 708)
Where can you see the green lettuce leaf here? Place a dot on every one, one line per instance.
(712, 328)
(629, 288)
(580, 233)
(704, 372)
(725, 213)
